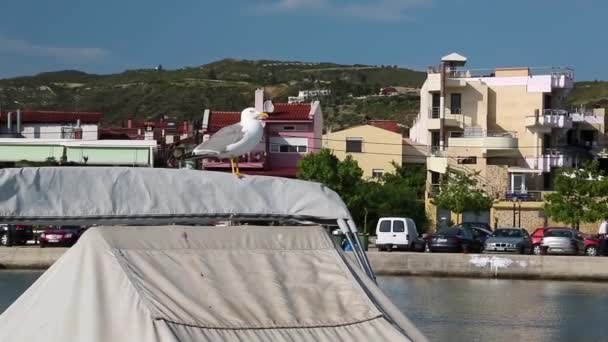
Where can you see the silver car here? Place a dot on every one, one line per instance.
(509, 240)
(563, 241)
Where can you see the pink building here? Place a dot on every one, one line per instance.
(291, 131)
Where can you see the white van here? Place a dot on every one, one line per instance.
(396, 232)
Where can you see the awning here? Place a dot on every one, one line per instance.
(524, 170)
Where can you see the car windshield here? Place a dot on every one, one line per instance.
(448, 231)
(508, 233)
(558, 233)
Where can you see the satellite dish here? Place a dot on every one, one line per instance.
(268, 107)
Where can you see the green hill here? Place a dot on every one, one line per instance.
(223, 85)
(589, 94)
(229, 85)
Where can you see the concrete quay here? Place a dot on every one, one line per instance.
(399, 263)
(491, 266)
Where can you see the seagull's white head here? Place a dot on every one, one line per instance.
(252, 114)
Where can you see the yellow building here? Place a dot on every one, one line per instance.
(509, 124)
(374, 148)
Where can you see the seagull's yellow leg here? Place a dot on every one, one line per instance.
(238, 173)
(232, 166)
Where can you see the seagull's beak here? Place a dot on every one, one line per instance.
(262, 116)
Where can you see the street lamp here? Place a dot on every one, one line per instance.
(517, 202)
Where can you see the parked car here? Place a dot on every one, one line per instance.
(481, 225)
(453, 239)
(509, 240)
(592, 245)
(397, 232)
(21, 234)
(65, 236)
(563, 241)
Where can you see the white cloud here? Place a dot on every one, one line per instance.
(290, 5)
(76, 54)
(381, 10)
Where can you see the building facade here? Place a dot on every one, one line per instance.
(510, 126)
(375, 146)
(66, 137)
(290, 132)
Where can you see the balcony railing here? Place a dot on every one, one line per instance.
(525, 196)
(434, 112)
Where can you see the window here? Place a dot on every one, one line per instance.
(288, 145)
(377, 173)
(354, 145)
(456, 103)
(398, 227)
(467, 160)
(385, 226)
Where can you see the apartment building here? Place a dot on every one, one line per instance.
(509, 124)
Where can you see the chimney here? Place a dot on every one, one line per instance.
(259, 99)
(18, 121)
(130, 123)
(206, 120)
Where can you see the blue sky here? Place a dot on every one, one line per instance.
(113, 35)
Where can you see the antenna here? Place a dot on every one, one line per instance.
(268, 107)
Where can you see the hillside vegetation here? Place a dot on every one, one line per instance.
(229, 85)
(224, 85)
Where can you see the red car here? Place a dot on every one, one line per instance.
(65, 236)
(592, 245)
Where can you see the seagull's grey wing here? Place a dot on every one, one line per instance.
(219, 141)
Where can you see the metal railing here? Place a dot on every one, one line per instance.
(491, 72)
(434, 112)
(525, 196)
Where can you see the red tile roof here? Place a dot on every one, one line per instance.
(42, 116)
(218, 120)
(389, 125)
(290, 111)
(282, 112)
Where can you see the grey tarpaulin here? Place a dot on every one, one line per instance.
(156, 196)
(179, 283)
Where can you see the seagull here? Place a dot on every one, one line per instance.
(235, 140)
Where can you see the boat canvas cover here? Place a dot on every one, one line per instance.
(156, 196)
(189, 283)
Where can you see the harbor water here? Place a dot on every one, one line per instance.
(457, 309)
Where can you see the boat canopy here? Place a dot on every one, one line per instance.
(118, 195)
(206, 284)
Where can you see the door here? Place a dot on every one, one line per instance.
(580, 242)
(435, 141)
(471, 216)
(479, 238)
(518, 183)
(399, 237)
(383, 233)
(435, 103)
(456, 103)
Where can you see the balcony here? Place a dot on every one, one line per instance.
(453, 119)
(548, 120)
(524, 196)
(437, 161)
(562, 78)
(486, 141)
(549, 160)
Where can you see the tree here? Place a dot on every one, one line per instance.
(459, 192)
(396, 194)
(580, 196)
